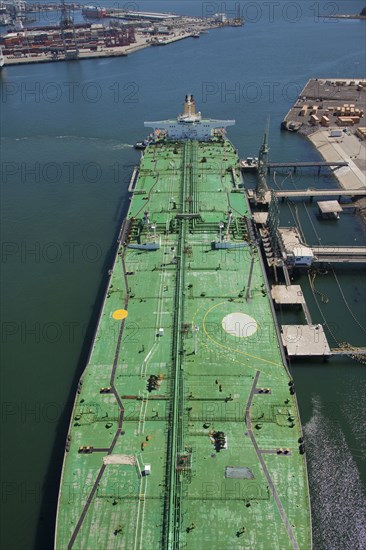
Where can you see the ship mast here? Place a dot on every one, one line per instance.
(262, 186)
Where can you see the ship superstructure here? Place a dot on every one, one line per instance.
(189, 125)
(185, 431)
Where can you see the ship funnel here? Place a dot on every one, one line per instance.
(189, 106)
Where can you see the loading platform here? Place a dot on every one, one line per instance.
(305, 341)
(308, 340)
(300, 340)
(293, 252)
(291, 295)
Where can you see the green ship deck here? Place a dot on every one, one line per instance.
(188, 424)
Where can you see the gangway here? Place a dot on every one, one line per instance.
(339, 254)
(310, 193)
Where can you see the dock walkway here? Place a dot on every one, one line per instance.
(318, 164)
(310, 193)
(339, 254)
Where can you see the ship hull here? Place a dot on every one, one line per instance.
(185, 431)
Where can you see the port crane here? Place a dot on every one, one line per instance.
(67, 25)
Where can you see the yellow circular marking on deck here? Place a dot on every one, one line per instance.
(120, 314)
(231, 349)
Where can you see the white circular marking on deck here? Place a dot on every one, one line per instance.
(239, 324)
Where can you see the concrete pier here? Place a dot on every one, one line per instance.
(305, 341)
(331, 113)
(350, 149)
(285, 295)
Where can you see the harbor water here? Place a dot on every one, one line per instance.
(67, 135)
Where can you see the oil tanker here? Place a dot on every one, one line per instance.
(185, 432)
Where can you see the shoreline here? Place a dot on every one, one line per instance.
(119, 51)
(348, 148)
(105, 52)
(348, 177)
(329, 112)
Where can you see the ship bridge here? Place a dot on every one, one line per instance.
(190, 125)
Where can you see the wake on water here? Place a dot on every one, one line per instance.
(337, 501)
(110, 144)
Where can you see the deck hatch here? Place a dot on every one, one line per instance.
(238, 472)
